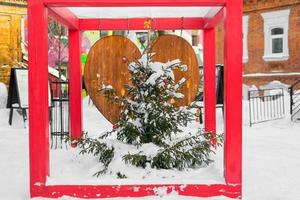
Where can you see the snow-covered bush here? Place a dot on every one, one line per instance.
(149, 123)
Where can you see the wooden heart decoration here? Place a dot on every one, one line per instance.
(171, 47)
(107, 63)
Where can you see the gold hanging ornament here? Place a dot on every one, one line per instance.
(172, 101)
(122, 92)
(147, 24)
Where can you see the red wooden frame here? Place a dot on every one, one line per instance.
(209, 81)
(38, 12)
(138, 24)
(75, 85)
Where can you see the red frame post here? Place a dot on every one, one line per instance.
(233, 92)
(209, 81)
(75, 78)
(38, 94)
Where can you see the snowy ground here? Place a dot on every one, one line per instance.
(271, 158)
(80, 168)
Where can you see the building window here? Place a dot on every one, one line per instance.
(277, 40)
(245, 38)
(276, 28)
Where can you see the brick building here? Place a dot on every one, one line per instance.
(271, 41)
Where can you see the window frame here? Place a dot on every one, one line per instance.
(277, 36)
(272, 20)
(245, 38)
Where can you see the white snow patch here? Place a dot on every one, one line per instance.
(182, 80)
(107, 87)
(3, 95)
(153, 78)
(275, 85)
(161, 191)
(184, 68)
(245, 92)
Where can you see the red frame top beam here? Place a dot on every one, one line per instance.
(213, 22)
(132, 3)
(58, 10)
(139, 24)
(64, 16)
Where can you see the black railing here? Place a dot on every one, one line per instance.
(59, 113)
(295, 101)
(266, 105)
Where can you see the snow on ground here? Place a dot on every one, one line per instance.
(271, 163)
(14, 169)
(67, 167)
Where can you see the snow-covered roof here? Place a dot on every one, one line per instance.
(140, 12)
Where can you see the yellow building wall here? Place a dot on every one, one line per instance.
(11, 13)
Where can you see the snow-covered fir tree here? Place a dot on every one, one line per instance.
(148, 116)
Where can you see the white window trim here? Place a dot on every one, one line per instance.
(245, 38)
(276, 19)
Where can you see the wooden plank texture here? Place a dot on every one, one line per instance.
(170, 47)
(105, 65)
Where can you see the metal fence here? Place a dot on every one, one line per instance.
(266, 105)
(59, 113)
(295, 101)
